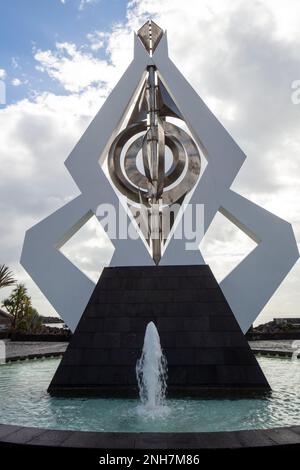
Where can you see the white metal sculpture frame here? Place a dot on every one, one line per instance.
(247, 288)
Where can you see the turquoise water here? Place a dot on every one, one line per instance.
(24, 401)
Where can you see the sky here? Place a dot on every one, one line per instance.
(59, 59)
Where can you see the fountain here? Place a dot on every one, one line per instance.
(159, 275)
(151, 373)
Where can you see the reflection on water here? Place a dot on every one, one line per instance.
(24, 401)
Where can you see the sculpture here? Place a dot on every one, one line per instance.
(153, 87)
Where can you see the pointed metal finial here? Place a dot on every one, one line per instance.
(150, 34)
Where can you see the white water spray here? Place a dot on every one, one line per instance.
(151, 373)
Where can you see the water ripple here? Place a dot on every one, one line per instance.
(24, 401)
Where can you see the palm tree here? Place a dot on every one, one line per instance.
(6, 276)
(19, 306)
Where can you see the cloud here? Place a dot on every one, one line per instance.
(37, 137)
(16, 82)
(74, 69)
(15, 62)
(84, 3)
(2, 74)
(240, 57)
(98, 39)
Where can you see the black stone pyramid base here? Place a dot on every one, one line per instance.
(204, 345)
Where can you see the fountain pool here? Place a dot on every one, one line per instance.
(24, 401)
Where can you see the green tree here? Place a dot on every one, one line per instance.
(31, 323)
(6, 276)
(25, 318)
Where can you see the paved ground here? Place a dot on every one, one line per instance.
(21, 350)
(264, 438)
(276, 347)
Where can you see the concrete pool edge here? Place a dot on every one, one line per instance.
(19, 436)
